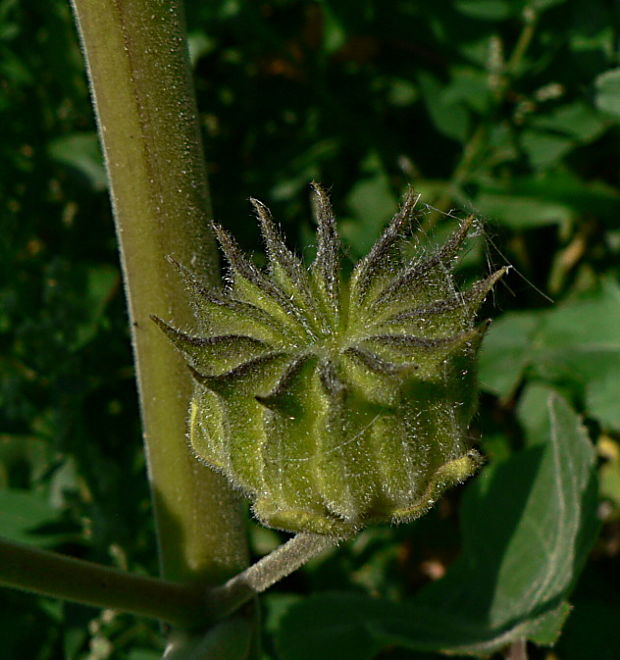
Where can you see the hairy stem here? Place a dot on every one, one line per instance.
(51, 574)
(267, 571)
(142, 91)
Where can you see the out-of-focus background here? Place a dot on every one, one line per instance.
(506, 108)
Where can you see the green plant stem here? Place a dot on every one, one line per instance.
(230, 639)
(530, 18)
(187, 606)
(141, 84)
(51, 574)
(516, 651)
(267, 571)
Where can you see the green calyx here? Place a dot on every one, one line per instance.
(336, 403)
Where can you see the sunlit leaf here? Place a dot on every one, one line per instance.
(81, 152)
(575, 345)
(608, 92)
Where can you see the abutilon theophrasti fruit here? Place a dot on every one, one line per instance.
(336, 402)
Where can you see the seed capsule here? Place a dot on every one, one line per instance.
(334, 403)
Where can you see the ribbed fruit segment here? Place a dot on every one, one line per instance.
(334, 404)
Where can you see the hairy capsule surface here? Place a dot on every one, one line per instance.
(335, 402)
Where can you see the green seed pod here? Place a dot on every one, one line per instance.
(331, 402)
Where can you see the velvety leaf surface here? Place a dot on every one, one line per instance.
(505, 353)
(575, 345)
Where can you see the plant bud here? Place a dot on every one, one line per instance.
(336, 402)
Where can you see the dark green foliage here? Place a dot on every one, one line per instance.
(71, 464)
(503, 108)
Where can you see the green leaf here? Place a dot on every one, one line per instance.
(101, 283)
(542, 5)
(544, 149)
(532, 411)
(607, 87)
(489, 10)
(402, 92)
(577, 120)
(230, 638)
(143, 654)
(449, 118)
(81, 152)
(470, 86)
(522, 212)
(274, 606)
(334, 31)
(372, 202)
(505, 352)
(453, 632)
(579, 344)
(24, 516)
(27, 628)
(592, 37)
(545, 198)
(16, 450)
(528, 524)
(603, 394)
(575, 345)
(334, 626)
(199, 44)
